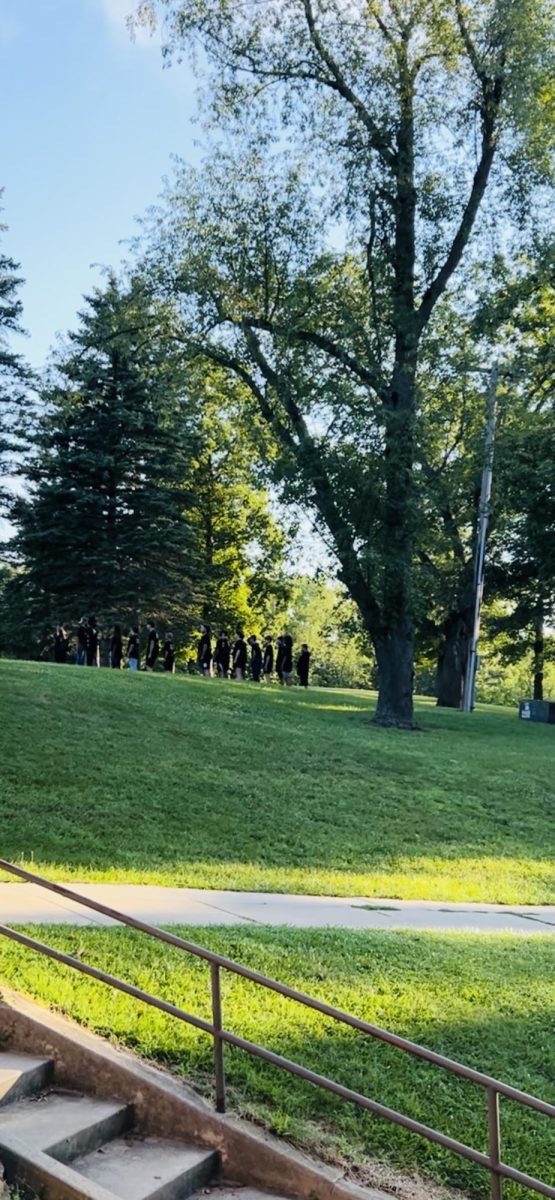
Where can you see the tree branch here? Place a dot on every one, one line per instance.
(367, 375)
(339, 83)
(469, 45)
(309, 455)
(491, 101)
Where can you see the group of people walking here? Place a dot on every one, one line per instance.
(227, 660)
(243, 658)
(87, 649)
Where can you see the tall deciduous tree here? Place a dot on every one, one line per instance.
(402, 108)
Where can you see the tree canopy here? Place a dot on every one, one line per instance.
(310, 258)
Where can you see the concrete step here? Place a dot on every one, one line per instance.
(63, 1124)
(136, 1168)
(22, 1075)
(227, 1191)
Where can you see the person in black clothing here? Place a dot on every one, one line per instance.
(152, 647)
(169, 654)
(256, 658)
(61, 644)
(268, 659)
(116, 648)
(287, 661)
(279, 659)
(204, 650)
(92, 642)
(239, 656)
(81, 653)
(303, 665)
(222, 655)
(134, 650)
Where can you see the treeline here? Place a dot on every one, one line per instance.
(314, 315)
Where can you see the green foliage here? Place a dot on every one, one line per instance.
(321, 614)
(396, 118)
(15, 377)
(242, 545)
(486, 1000)
(106, 527)
(270, 789)
(143, 498)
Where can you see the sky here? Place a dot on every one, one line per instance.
(91, 120)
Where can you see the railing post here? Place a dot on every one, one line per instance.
(218, 1044)
(494, 1143)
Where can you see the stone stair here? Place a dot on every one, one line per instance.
(67, 1146)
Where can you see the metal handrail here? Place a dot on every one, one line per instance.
(494, 1088)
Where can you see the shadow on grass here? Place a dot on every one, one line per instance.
(202, 783)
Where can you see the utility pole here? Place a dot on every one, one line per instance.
(481, 539)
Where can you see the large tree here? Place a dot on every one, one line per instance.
(398, 111)
(105, 526)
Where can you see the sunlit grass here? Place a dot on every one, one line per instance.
(486, 1000)
(190, 782)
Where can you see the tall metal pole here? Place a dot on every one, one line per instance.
(481, 540)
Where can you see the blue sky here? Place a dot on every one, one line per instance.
(90, 120)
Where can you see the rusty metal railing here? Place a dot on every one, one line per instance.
(493, 1088)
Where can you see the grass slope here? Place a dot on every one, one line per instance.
(174, 780)
(486, 1000)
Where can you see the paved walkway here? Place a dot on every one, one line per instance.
(22, 903)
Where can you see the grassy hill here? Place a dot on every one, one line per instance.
(196, 782)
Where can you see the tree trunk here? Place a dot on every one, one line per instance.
(538, 658)
(452, 660)
(395, 656)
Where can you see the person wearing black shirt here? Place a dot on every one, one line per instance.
(81, 653)
(287, 662)
(152, 648)
(222, 655)
(303, 665)
(92, 642)
(256, 658)
(169, 654)
(279, 659)
(268, 660)
(239, 656)
(116, 648)
(61, 644)
(204, 650)
(134, 649)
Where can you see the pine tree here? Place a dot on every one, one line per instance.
(106, 527)
(14, 372)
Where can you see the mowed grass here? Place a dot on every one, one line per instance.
(487, 1000)
(180, 781)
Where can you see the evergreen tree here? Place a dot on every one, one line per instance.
(107, 527)
(14, 372)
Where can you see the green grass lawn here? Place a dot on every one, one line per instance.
(195, 782)
(487, 1000)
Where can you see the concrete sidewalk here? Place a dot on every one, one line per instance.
(26, 903)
